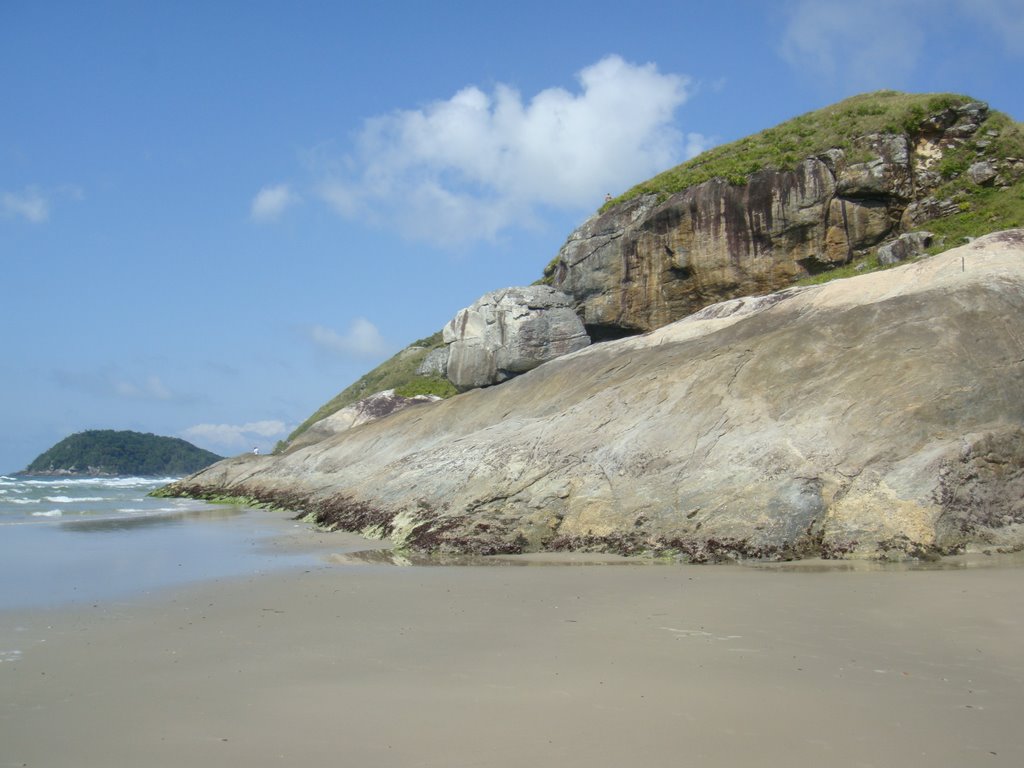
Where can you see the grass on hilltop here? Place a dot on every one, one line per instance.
(835, 127)
(784, 147)
(788, 144)
(397, 373)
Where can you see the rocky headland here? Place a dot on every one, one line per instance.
(877, 172)
(676, 385)
(878, 416)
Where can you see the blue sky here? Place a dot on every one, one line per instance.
(215, 216)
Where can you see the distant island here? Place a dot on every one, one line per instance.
(121, 452)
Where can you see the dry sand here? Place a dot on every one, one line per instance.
(592, 665)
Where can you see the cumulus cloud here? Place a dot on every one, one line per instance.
(271, 202)
(229, 437)
(842, 41)
(472, 165)
(30, 204)
(362, 339)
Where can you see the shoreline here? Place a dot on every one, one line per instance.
(74, 559)
(499, 665)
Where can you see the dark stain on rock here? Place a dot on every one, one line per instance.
(341, 512)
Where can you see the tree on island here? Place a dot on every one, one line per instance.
(121, 452)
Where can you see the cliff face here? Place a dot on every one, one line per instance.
(644, 263)
(866, 416)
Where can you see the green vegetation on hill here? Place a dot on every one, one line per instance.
(111, 452)
(982, 209)
(397, 373)
(787, 144)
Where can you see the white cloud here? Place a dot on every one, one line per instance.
(229, 437)
(361, 340)
(477, 163)
(271, 202)
(869, 44)
(29, 204)
(865, 45)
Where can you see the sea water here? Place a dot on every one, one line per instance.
(80, 539)
(28, 499)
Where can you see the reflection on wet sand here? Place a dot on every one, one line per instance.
(950, 563)
(385, 555)
(156, 520)
(402, 557)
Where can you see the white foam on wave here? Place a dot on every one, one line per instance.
(13, 655)
(72, 500)
(48, 513)
(101, 482)
(136, 482)
(22, 501)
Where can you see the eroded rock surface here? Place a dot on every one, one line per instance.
(648, 262)
(509, 332)
(876, 415)
(907, 246)
(368, 409)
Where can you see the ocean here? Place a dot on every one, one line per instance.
(27, 500)
(79, 539)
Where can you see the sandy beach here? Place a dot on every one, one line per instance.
(354, 663)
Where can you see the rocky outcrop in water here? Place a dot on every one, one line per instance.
(647, 262)
(877, 416)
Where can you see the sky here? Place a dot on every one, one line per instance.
(215, 216)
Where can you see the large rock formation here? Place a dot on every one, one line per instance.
(876, 415)
(508, 332)
(647, 262)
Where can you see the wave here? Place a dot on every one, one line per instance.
(48, 513)
(71, 499)
(89, 482)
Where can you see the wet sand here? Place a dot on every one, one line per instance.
(348, 663)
